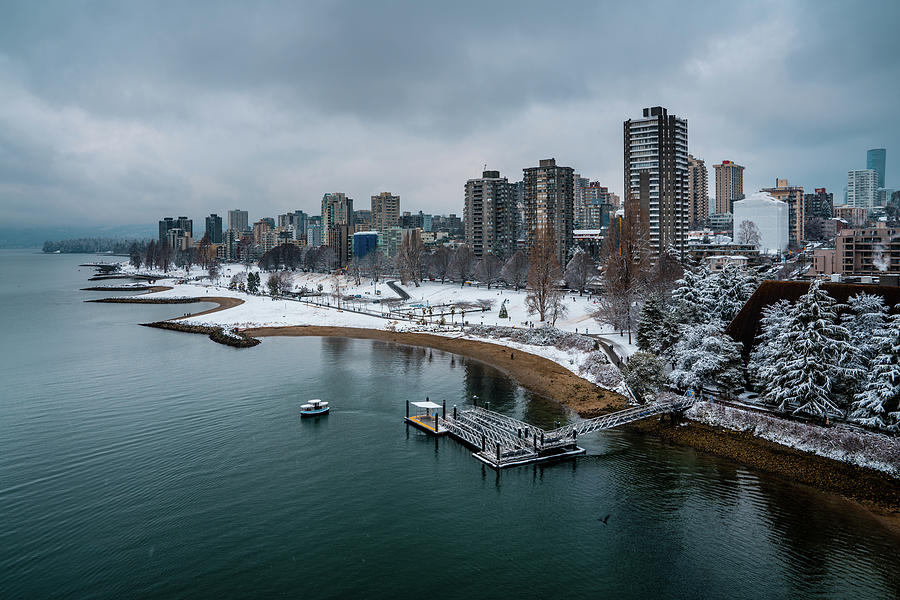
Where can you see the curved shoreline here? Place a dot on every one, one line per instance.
(535, 373)
(880, 493)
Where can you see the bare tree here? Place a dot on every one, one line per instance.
(625, 258)
(409, 259)
(354, 269)
(664, 273)
(580, 269)
(204, 251)
(544, 274)
(213, 269)
(439, 263)
(748, 233)
(515, 271)
(462, 265)
(325, 259)
(488, 269)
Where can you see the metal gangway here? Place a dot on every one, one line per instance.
(502, 441)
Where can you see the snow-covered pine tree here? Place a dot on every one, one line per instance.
(503, 314)
(730, 289)
(707, 358)
(878, 405)
(650, 321)
(690, 298)
(864, 321)
(772, 324)
(810, 357)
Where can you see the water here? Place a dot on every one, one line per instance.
(136, 462)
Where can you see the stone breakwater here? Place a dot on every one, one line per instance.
(216, 334)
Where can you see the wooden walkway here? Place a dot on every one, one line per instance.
(501, 441)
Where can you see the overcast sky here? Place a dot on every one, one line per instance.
(124, 112)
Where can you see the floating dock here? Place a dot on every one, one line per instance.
(501, 441)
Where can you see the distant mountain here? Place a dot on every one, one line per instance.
(34, 237)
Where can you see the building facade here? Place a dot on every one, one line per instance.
(550, 203)
(698, 192)
(364, 242)
(729, 185)
(214, 228)
(792, 195)
(657, 144)
(771, 218)
(820, 204)
(875, 160)
(337, 210)
(489, 218)
(238, 220)
(597, 202)
(861, 187)
(868, 251)
(385, 211)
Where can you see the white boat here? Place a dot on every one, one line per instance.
(314, 408)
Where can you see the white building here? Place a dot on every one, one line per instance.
(861, 187)
(770, 217)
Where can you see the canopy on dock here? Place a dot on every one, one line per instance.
(425, 404)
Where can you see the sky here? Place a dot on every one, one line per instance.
(125, 112)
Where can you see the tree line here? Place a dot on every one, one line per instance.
(92, 245)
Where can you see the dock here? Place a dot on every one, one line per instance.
(500, 441)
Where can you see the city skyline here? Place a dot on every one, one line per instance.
(101, 126)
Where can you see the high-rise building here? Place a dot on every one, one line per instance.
(861, 187)
(875, 160)
(165, 225)
(489, 215)
(550, 202)
(596, 206)
(793, 196)
(314, 233)
(337, 210)
(729, 185)
(579, 183)
(385, 211)
(657, 144)
(820, 204)
(186, 225)
(214, 228)
(697, 192)
(238, 220)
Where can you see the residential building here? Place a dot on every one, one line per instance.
(489, 215)
(579, 183)
(720, 222)
(178, 239)
(385, 211)
(883, 196)
(362, 219)
(260, 229)
(697, 192)
(657, 144)
(337, 210)
(820, 204)
(729, 185)
(550, 203)
(238, 220)
(596, 206)
(871, 250)
(792, 195)
(314, 234)
(364, 242)
(231, 244)
(855, 216)
(389, 240)
(214, 229)
(452, 224)
(875, 160)
(165, 225)
(861, 187)
(770, 216)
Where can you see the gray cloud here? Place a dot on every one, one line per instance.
(121, 112)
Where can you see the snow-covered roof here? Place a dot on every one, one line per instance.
(425, 404)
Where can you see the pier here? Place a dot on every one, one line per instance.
(501, 441)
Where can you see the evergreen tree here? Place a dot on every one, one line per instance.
(252, 282)
(649, 321)
(691, 299)
(878, 405)
(729, 290)
(811, 357)
(772, 324)
(706, 357)
(643, 374)
(865, 319)
(503, 313)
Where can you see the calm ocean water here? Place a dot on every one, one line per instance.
(143, 463)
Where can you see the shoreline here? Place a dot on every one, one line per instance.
(874, 491)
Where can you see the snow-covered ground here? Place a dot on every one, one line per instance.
(263, 311)
(842, 443)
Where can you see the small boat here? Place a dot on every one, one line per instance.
(314, 408)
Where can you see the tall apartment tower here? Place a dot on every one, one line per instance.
(579, 185)
(385, 211)
(729, 185)
(875, 159)
(238, 220)
(550, 202)
(698, 192)
(861, 187)
(597, 206)
(337, 210)
(657, 144)
(793, 196)
(489, 215)
(214, 228)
